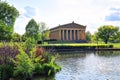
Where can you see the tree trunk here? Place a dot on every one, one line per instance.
(106, 41)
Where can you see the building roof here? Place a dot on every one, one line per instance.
(69, 25)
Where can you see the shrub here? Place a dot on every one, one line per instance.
(29, 45)
(6, 71)
(47, 69)
(22, 63)
(8, 51)
(39, 51)
(51, 68)
(23, 66)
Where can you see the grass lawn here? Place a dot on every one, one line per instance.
(77, 44)
(116, 45)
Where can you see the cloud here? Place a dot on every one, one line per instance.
(115, 9)
(25, 15)
(30, 11)
(92, 13)
(114, 15)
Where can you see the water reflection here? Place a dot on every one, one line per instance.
(44, 78)
(102, 65)
(108, 53)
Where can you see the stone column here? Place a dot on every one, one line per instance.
(78, 34)
(70, 34)
(74, 35)
(63, 34)
(66, 34)
(82, 34)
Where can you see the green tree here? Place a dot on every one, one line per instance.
(88, 36)
(94, 38)
(5, 32)
(23, 37)
(32, 29)
(44, 31)
(106, 32)
(115, 38)
(8, 15)
(16, 37)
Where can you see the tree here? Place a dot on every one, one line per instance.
(16, 37)
(5, 32)
(115, 38)
(23, 37)
(8, 15)
(44, 31)
(88, 36)
(106, 32)
(32, 29)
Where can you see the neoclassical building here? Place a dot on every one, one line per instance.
(71, 31)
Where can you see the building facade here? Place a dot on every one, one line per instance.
(71, 31)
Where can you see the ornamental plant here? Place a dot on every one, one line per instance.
(8, 51)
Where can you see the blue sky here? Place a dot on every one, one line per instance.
(92, 13)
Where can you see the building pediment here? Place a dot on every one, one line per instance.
(70, 25)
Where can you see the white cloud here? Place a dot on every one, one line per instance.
(22, 20)
(86, 12)
(30, 12)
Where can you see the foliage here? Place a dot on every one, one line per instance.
(88, 36)
(5, 32)
(115, 38)
(46, 65)
(95, 38)
(8, 15)
(51, 68)
(16, 37)
(45, 35)
(6, 71)
(42, 27)
(24, 37)
(16, 62)
(44, 31)
(8, 51)
(23, 66)
(32, 29)
(106, 32)
(39, 51)
(29, 45)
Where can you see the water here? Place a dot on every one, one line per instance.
(88, 66)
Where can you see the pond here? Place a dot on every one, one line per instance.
(104, 65)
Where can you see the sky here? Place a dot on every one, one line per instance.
(91, 13)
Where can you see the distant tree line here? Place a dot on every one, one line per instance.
(105, 33)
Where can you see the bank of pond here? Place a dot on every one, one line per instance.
(78, 47)
(23, 62)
